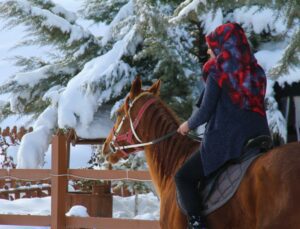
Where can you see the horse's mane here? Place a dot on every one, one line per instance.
(172, 152)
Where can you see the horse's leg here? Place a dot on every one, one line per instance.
(170, 215)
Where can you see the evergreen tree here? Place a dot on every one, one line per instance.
(155, 39)
(46, 24)
(95, 70)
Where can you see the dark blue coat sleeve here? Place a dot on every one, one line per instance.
(208, 104)
(199, 101)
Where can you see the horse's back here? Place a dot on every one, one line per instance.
(269, 195)
(277, 187)
(283, 162)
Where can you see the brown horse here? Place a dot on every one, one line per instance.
(268, 197)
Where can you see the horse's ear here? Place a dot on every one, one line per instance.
(155, 88)
(136, 87)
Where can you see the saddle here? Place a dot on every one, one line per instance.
(220, 186)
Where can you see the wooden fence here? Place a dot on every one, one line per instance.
(59, 174)
(12, 189)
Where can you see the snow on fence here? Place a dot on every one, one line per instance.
(59, 174)
(11, 189)
(10, 138)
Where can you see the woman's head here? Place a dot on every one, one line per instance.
(230, 40)
(235, 67)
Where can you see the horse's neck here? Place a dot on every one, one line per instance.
(164, 158)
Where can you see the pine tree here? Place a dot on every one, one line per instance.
(140, 39)
(47, 24)
(155, 39)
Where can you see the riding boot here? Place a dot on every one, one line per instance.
(196, 222)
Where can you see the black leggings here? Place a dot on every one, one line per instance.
(186, 179)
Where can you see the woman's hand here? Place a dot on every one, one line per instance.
(183, 128)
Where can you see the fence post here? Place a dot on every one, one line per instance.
(58, 183)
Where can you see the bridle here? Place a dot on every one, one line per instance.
(128, 136)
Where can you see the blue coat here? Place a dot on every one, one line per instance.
(228, 126)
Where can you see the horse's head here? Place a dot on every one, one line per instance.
(123, 139)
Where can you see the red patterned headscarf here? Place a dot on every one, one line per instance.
(235, 67)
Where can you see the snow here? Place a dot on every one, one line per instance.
(267, 59)
(69, 16)
(260, 20)
(34, 144)
(78, 210)
(17, 120)
(276, 121)
(8, 39)
(98, 71)
(187, 8)
(146, 207)
(33, 206)
(99, 29)
(12, 151)
(70, 5)
(33, 77)
(123, 13)
(79, 157)
(212, 20)
(292, 76)
(54, 21)
(53, 94)
(99, 127)
(252, 18)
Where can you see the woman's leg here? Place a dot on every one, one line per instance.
(187, 179)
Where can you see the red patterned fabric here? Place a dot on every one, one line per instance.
(235, 67)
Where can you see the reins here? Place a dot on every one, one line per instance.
(114, 145)
(170, 134)
(146, 143)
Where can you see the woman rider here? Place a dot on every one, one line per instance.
(232, 105)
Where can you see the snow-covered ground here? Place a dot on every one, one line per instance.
(147, 208)
(123, 207)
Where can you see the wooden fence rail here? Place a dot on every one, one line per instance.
(45, 174)
(59, 175)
